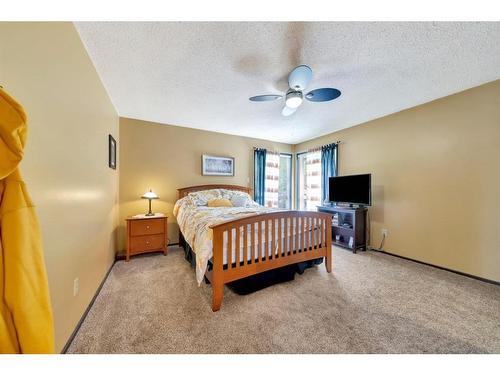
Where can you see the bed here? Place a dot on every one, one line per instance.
(233, 243)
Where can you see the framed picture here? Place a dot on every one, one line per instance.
(217, 165)
(112, 152)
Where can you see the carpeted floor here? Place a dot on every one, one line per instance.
(370, 303)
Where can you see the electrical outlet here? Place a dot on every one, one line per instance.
(384, 232)
(76, 286)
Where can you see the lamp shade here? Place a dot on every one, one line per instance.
(149, 195)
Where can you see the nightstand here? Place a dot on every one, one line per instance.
(146, 234)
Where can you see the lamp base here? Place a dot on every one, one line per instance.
(150, 213)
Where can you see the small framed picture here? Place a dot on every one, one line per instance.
(217, 165)
(112, 152)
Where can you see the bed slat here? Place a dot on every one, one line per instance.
(245, 244)
(304, 233)
(237, 246)
(288, 224)
(229, 248)
(275, 239)
(295, 234)
(280, 235)
(267, 242)
(260, 245)
(252, 242)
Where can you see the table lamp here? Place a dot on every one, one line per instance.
(150, 196)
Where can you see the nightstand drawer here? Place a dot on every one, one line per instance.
(147, 226)
(145, 243)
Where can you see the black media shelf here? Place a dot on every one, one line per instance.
(352, 237)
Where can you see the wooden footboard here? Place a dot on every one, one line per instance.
(258, 243)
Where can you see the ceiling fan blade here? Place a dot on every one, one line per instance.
(265, 98)
(287, 111)
(300, 77)
(322, 95)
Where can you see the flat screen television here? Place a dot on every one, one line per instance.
(355, 189)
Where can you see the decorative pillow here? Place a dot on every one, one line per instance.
(229, 194)
(201, 198)
(226, 193)
(239, 201)
(219, 202)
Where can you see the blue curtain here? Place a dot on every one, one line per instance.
(259, 176)
(329, 167)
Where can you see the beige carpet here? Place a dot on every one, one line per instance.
(371, 303)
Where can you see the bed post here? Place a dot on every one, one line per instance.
(328, 257)
(217, 272)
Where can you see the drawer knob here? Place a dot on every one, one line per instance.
(147, 242)
(147, 226)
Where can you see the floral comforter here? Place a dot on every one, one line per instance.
(195, 218)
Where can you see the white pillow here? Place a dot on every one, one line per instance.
(239, 201)
(201, 198)
(228, 194)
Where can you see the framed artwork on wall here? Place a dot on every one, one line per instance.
(112, 152)
(217, 165)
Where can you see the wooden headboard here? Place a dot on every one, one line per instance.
(185, 191)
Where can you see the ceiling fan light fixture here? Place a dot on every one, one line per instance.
(298, 80)
(294, 99)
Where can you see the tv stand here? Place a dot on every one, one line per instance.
(349, 231)
(346, 205)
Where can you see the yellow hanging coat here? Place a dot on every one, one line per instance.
(26, 324)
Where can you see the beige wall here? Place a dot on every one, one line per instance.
(436, 179)
(46, 68)
(165, 158)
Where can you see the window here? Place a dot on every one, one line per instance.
(278, 183)
(285, 182)
(309, 180)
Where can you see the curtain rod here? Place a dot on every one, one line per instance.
(319, 147)
(308, 150)
(270, 151)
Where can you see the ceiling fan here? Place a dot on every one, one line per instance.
(298, 80)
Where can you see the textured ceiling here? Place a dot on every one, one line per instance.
(201, 75)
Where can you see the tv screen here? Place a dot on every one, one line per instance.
(354, 189)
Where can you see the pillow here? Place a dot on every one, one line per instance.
(226, 193)
(219, 202)
(201, 198)
(229, 194)
(239, 201)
